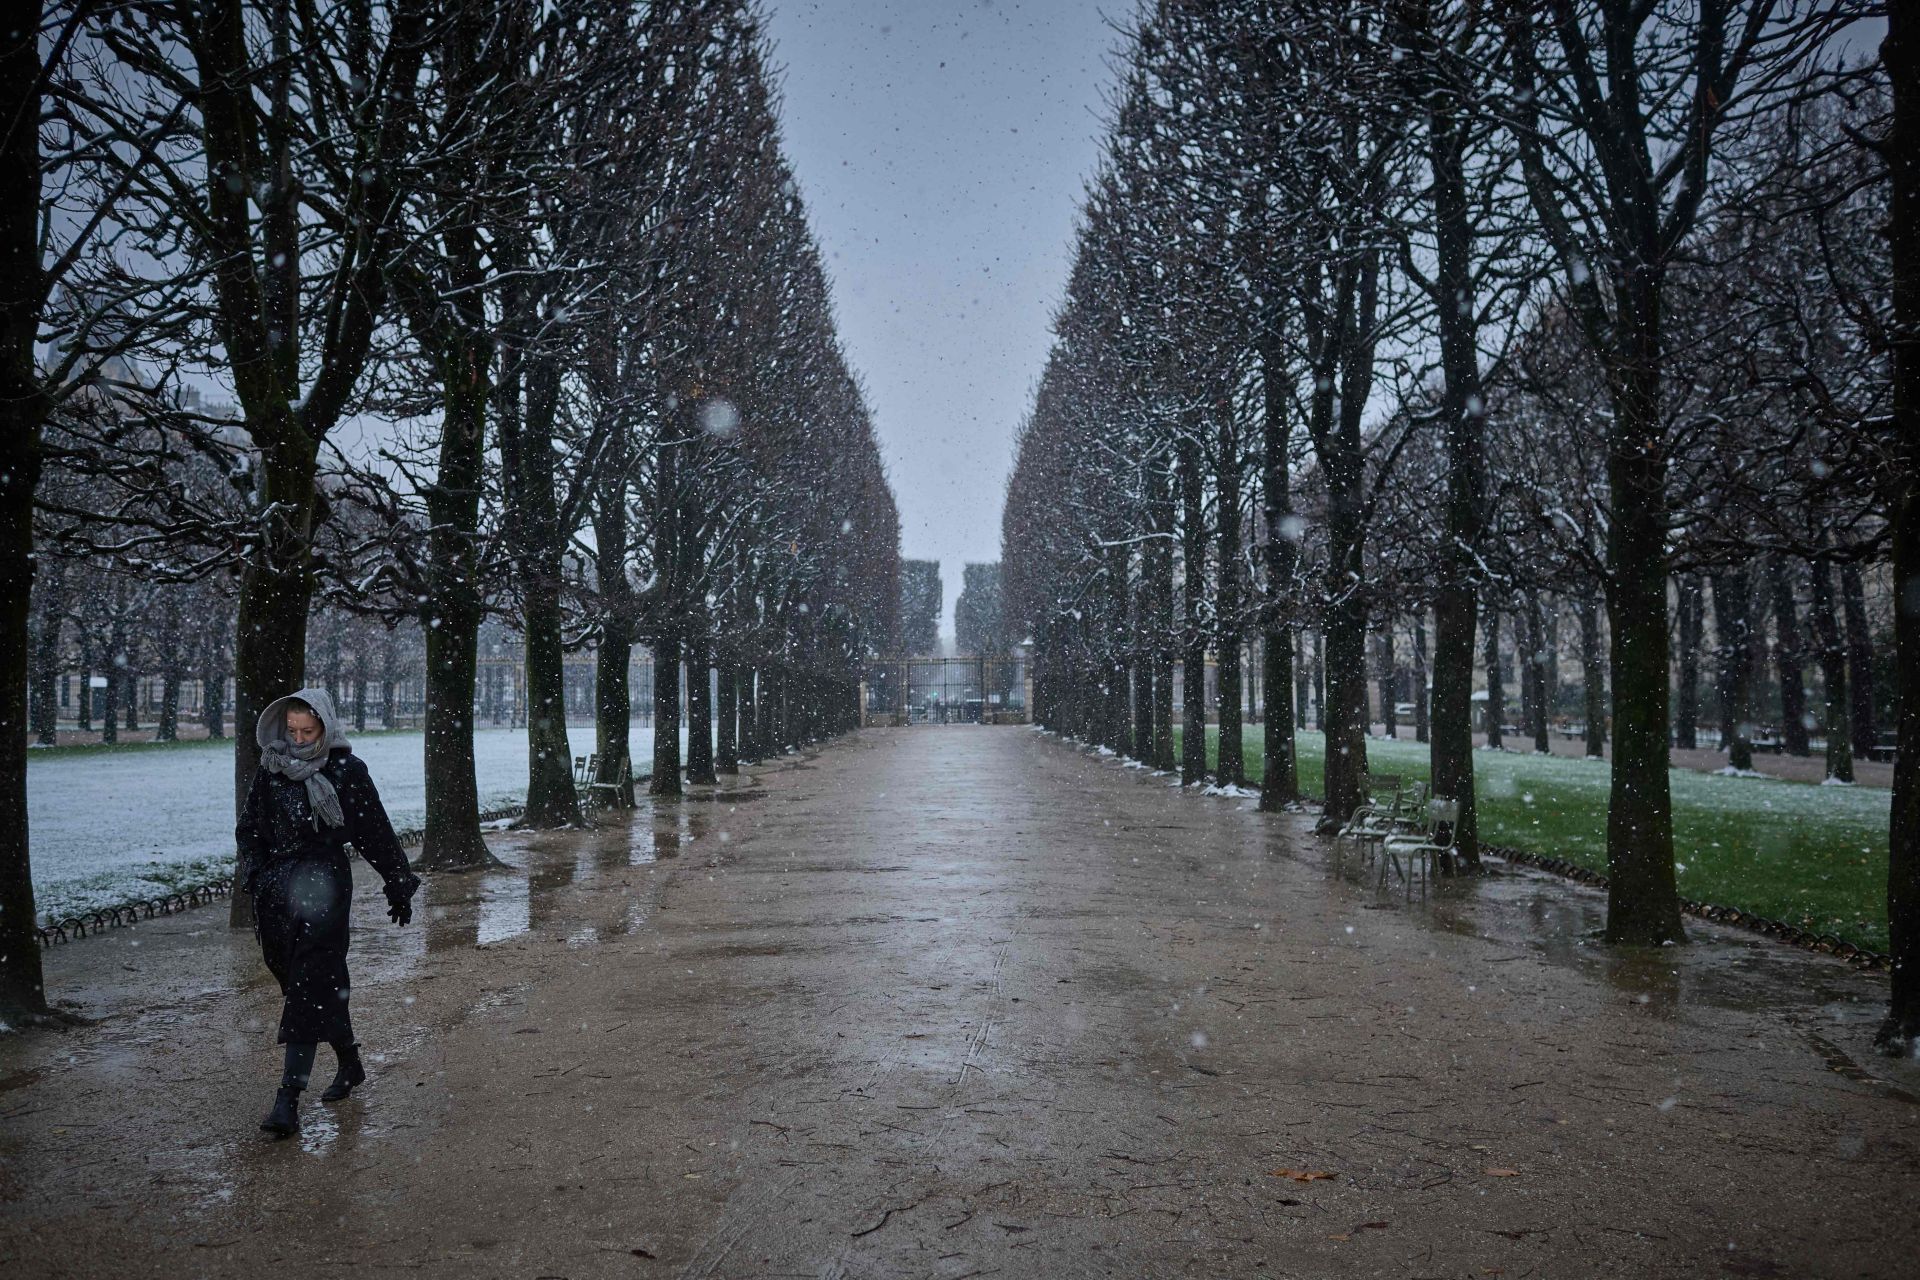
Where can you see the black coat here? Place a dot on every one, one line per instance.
(302, 887)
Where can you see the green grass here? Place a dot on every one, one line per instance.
(1813, 856)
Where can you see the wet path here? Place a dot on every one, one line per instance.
(960, 1002)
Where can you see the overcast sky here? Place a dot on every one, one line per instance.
(941, 148)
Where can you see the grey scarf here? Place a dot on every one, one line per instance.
(304, 764)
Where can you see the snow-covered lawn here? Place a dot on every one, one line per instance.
(114, 825)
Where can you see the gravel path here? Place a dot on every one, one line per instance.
(965, 1002)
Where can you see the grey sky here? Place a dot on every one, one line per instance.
(941, 148)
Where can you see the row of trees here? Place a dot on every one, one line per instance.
(1430, 308)
(1754, 668)
(95, 626)
(518, 311)
(921, 601)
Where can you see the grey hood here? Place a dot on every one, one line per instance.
(272, 725)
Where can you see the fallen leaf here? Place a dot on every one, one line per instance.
(1503, 1173)
(1301, 1175)
(1371, 1226)
(1340, 1237)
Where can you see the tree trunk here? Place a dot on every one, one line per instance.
(170, 645)
(1523, 664)
(452, 839)
(1900, 53)
(1302, 683)
(699, 709)
(1537, 669)
(727, 752)
(1143, 663)
(1387, 676)
(613, 699)
(1593, 675)
(1455, 607)
(1643, 900)
(613, 706)
(83, 696)
(786, 709)
(551, 799)
(767, 731)
(1193, 676)
(21, 992)
(1686, 713)
(1860, 680)
(1789, 656)
(1450, 122)
(752, 745)
(534, 536)
(1348, 348)
(1422, 721)
(1346, 666)
(1159, 557)
(1496, 680)
(23, 410)
(213, 674)
(1251, 682)
(46, 650)
(1833, 674)
(116, 659)
(1280, 779)
(666, 717)
(452, 614)
(1319, 679)
(1732, 624)
(270, 639)
(612, 692)
(1232, 766)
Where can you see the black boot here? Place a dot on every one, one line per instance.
(351, 1074)
(284, 1119)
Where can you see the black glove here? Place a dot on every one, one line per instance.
(400, 899)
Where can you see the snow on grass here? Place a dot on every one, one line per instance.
(108, 826)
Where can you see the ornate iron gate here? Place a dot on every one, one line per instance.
(958, 690)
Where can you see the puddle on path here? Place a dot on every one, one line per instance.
(550, 873)
(1522, 912)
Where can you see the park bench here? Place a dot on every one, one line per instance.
(612, 793)
(1374, 821)
(1419, 850)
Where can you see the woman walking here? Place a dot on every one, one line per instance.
(310, 799)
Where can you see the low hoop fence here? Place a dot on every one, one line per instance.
(1779, 930)
(134, 910)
